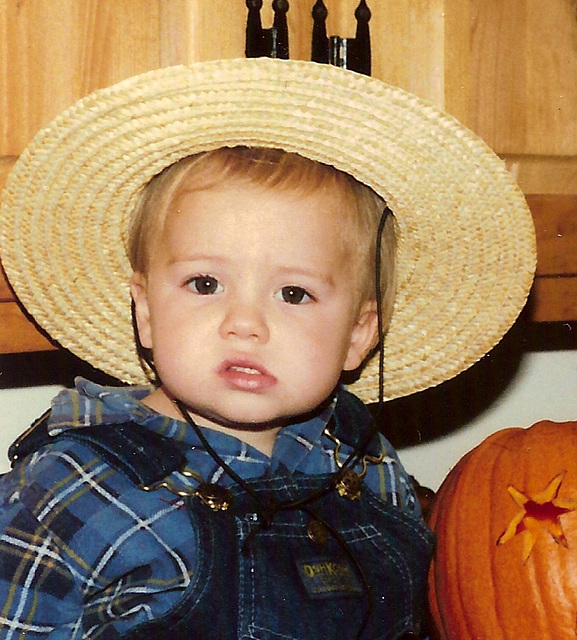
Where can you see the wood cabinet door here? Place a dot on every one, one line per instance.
(524, 104)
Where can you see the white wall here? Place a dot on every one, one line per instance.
(543, 387)
(18, 409)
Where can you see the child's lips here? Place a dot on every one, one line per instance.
(246, 375)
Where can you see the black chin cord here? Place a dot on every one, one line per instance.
(360, 450)
(378, 286)
(267, 512)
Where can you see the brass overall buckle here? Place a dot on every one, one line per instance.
(349, 483)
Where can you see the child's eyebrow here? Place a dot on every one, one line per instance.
(324, 276)
(178, 257)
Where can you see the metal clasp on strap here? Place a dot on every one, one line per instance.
(349, 483)
(365, 460)
(212, 495)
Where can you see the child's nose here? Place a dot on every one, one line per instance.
(245, 322)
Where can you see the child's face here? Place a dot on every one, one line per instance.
(251, 306)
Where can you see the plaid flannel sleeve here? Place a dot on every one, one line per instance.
(82, 555)
(38, 590)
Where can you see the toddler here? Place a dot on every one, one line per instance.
(254, 248)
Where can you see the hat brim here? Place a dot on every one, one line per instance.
(466, 245)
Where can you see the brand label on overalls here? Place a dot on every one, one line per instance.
(329, 578)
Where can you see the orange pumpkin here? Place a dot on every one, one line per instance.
(505, 567)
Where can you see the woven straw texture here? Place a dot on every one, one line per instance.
(466, 239)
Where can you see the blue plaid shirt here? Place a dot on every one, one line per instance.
(85, 553)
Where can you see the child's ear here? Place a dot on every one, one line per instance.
(364, 335)
(141, 310)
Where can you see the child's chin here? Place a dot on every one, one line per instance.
(248, 420)
(253, 423)
(259, 421)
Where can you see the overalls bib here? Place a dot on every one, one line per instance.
(294, 580)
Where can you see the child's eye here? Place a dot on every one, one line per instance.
(204, 285)
(294, 295)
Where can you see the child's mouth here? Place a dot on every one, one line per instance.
(246, 376)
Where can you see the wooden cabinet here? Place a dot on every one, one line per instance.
(524, 104)
(506, 69)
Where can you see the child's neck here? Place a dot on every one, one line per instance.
(262, 441)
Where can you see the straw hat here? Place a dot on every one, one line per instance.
(466, 240)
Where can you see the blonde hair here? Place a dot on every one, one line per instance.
(273, 169)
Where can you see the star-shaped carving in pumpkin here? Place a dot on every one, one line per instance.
(539, 514)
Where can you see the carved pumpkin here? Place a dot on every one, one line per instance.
(505, 518)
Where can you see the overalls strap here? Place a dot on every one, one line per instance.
(144, 456)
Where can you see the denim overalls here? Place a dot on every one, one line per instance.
(322, 569)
